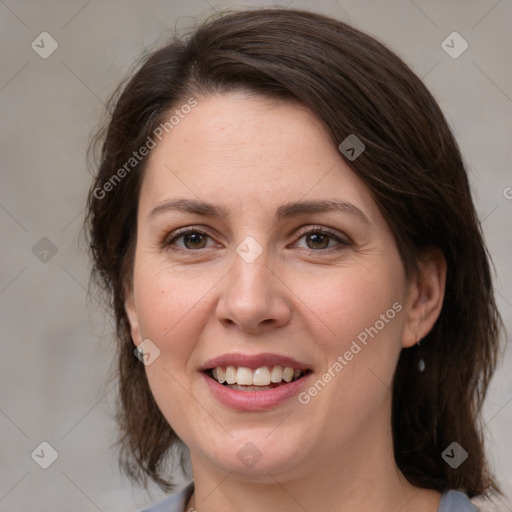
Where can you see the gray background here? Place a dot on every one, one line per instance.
(56, 347)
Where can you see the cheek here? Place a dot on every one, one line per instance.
(172, 310)
(362, 317)
(169, 303)
(351, 392)
(353, 303)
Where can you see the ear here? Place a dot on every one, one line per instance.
(426, 294)
(131, 313)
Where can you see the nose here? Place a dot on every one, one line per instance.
(253, 297)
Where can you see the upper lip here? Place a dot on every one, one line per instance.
(254, 361)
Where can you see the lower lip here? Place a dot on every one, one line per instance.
(255, 400)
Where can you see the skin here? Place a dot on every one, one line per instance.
(301, 297)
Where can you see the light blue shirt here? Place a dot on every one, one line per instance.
(451, 501)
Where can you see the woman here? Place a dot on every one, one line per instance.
(283, 221)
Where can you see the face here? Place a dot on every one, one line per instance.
(289, 265)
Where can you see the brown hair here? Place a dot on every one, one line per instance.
(412, 166)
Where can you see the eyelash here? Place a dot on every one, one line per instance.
(168, 243)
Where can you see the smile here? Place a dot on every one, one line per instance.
(241, 378)
(255, 382)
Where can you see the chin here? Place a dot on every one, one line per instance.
(259, 455)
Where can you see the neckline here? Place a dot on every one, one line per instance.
(446, 498)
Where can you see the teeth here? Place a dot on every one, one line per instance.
(263, 376)
(230, 374)
(244, 376)
(288, 374)
(277, 374)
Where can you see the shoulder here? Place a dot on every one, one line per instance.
(174, 503)
(456, 501)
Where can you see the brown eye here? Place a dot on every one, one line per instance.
(317, 240)
(192, 239)
(321, 240)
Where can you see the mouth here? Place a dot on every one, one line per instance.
(242, 378)
(255, 382)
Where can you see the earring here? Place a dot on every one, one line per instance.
(421, 362)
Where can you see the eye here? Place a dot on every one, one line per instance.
(319, 239)
(193, 239)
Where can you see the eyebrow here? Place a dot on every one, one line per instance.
(287, 210)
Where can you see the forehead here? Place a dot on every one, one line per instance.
(240, 149)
